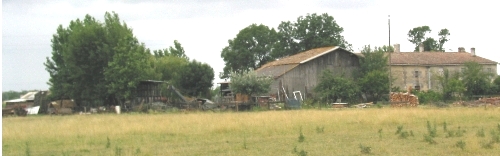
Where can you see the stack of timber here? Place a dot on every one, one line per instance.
(400, 99)
(492, 101)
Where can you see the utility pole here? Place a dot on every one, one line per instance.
(390, 59)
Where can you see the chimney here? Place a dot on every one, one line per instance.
(473, 51)
(421, 47)
(397, 48)
(461, 49)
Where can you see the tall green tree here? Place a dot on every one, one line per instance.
(196, 79)
(126, 69)
(84, 51)
(373, 73)
(495, 86)
(417, 36)
(450, 84)
(169, 67)
(443, 38)
(331, 87)
(249, 83)
(177, 51)
(249, 50)
(309, 32)
(476, 81)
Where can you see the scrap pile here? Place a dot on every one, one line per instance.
(403, 99)
(492, 101)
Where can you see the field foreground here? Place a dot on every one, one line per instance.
(386, 131)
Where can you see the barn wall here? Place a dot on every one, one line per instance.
(306, 76)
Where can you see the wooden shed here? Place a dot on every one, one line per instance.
(302, 71)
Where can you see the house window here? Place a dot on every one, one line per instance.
(416, 73)
(489, 70)
(416, 85)
(441, 71)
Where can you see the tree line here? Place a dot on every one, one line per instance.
(103, 63)
(256, 45)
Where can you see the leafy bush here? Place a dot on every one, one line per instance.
(428, 97)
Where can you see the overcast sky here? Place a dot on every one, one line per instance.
(203, 27)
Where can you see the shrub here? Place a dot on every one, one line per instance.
(427, 97)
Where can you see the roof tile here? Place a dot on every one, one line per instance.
(436, 58)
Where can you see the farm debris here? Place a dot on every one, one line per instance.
(399, 99)
(61, 107)
(17, 110)
(492, 101)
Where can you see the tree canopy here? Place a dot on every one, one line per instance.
(102, 63)
(476, 81)
(176, 51)
(309, 32)
(417, 36)
(249, 50)
(92, 61)
(331, 87)
(450, 84)
(256, 45)
(196, 79)
(249, 83)
(373, 73)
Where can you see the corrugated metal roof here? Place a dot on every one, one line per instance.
(29, 96)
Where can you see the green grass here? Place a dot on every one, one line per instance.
(259, 133)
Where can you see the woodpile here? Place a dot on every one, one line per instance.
(400, 99)
(492, 101)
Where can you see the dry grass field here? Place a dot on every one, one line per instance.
(458, 131)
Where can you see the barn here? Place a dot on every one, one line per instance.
(302, 71)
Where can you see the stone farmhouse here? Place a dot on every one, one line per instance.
(419, 69)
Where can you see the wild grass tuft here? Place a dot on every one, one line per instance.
(480, 133)
(460, 144)
(429, 139)
(445, 126)
(301, 135)
(108, 142)
(320, 129)
(380, 133)
(399, 129)
(365, 149)
(118, 151)
(431, 130)
(28, 150)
